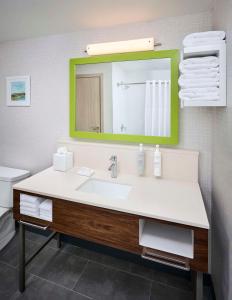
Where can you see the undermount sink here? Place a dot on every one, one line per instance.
(105, 188)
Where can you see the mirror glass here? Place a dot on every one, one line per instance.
(126, 97)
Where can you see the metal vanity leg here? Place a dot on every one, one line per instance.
(21, 257)
(58, 241)
(199, 286)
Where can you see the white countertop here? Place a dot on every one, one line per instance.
(169, 200)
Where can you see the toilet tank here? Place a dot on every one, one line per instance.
(8, 177)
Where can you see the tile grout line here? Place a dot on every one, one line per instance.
(105, 265)
(59, 285)
(9, 265)
(110, 266)
(82, 272)
(150, 291)
(115, 268)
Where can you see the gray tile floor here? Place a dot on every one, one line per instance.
(75, 273)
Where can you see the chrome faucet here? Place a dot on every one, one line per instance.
(114, 166)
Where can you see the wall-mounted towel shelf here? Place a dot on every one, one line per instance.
(218, 50)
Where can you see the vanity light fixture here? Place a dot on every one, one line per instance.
(121, 46)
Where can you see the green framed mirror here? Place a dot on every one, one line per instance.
(128, 97)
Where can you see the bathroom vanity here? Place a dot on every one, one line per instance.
(161, 220)
(126, 97)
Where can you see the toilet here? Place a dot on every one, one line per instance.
(8, 177)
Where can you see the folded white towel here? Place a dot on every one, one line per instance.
(209, 82)
(209, 72)
(46, 205)
(192, 75)
(30, 199)
(203, 94)
(203, 38)
(27, 204)
(200, 60)
(198, 92)
(194, 67)
(44, 217)
(45, 212)
(202, 42)
(28, 213)
(207, 34)
(201, 98)
(85, 171)
(29, 209)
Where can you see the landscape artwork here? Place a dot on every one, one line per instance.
(18, 91)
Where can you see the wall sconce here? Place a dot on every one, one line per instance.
(122, 46)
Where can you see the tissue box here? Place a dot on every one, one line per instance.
(63, 161)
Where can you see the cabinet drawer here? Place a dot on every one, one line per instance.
(100, 225)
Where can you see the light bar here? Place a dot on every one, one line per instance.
(121, 46)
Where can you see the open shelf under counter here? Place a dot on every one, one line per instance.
(167, 238)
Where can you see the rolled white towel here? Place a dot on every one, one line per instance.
(203, 38)
(200, 60)
(194, 67)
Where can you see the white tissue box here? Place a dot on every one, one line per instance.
(63, 161)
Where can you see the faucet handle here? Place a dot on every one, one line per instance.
(113, 158)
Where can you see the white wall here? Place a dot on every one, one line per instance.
(222, 170)
(28, 135)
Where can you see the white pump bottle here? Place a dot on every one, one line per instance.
(157, 162)
(141, 160)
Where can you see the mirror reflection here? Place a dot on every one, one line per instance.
(127, 97)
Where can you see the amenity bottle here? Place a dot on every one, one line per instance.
(141, 160)
(157, 162)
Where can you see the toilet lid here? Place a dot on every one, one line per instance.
(3, 210)
(10, 174)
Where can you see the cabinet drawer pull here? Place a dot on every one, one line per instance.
(34, 225)
(166, 259)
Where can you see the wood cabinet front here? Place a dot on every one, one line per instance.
(100, 225)
(109, 227)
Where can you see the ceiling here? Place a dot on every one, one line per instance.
(21, 19)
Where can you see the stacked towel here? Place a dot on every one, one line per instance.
(206, 63)
(199, 78)
(29, 205)
(204, 38)
(45, 210)
(207, 93)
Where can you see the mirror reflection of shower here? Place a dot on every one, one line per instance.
(128, 97)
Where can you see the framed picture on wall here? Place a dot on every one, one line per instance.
(18, 91)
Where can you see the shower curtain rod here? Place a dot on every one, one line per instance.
(143, 82)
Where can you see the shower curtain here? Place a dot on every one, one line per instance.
(157, 108)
